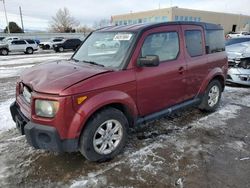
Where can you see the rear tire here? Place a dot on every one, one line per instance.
(29, 51)
(104, 135)
(212, 96)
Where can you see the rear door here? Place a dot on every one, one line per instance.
(195, 55)
(162, 86)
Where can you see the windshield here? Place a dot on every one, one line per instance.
(107, 49)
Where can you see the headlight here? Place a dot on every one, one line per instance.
(55, 45)
(46, 108)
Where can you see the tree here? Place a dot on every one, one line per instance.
(101, 23)
(84, 29)
(63, 22)
(14, 28)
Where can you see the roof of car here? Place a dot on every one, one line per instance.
(145, 26)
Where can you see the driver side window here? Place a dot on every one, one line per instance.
(165, 45)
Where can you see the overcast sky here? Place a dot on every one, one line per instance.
(37, 14)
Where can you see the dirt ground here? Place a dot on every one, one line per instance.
(189, 149)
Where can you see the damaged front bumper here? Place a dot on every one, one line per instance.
(239, 72)
(41, 136)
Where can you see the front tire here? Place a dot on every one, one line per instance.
(104, 136)
(60, 49)
(4, 52)
(212, 97)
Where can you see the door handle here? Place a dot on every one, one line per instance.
(181, 70)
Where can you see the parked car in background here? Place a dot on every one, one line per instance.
(67, 44)
(27, 46)
(88, 103)
(239, 63)
(238, 34)
(9, 39)
(49, 44)
(107, 43)
(232, 41)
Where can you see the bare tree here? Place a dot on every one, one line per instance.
(63, 22)
(84, 29)
(101, 23)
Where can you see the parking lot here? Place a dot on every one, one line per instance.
(188, 149)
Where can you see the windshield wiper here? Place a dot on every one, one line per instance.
(93, 63)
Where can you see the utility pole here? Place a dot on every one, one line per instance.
(21, 16)
(6, 18)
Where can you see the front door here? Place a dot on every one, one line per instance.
(162, 86)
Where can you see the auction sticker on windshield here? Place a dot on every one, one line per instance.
(122, 36)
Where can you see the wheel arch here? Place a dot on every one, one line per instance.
(217, 74)
(113, 99)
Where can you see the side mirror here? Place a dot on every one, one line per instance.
(148, 61)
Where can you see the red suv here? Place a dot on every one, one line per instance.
(87, 103)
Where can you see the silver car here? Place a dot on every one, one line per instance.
(239, 63)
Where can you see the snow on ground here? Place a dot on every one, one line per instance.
(6, 121)
(31, 59)
(12, 71)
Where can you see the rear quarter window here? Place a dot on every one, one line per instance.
(31, 41)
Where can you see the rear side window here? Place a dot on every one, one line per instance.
(215, 41)
(57, 40)
(31, 41)
(193, 39)
(165, 45)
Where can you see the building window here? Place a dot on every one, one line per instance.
(195, 19)
(176, 18)
(165, 45)
(145, 20)
(120, 22)
(129, 22)
(139, 20)
(125, 22)
(193, 39)
(164, 18)
(181, 18)
(199, 19)
(116, 22)
(134, 21)
(157, 19)
(190, 18)
(186, 18)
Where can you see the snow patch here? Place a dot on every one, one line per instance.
(237, 145)
(6, 121)
(219, 117)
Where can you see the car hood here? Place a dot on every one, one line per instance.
(54, 77)
(240, 50)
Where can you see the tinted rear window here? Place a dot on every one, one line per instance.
(215, 41)
(31, 41)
